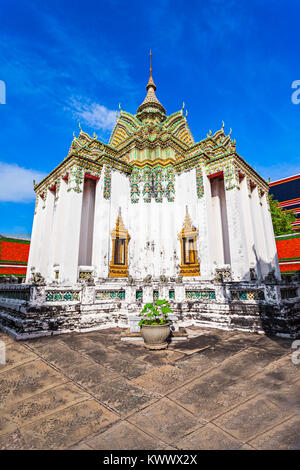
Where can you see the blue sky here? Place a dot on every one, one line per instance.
(65, 62)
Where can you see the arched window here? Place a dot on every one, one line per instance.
(189, 259)
(118, 267)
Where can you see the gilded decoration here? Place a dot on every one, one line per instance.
(118, 266)
(188, 240)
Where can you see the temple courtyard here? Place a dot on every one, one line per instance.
(217, 390)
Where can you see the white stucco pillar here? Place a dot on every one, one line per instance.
(71, 228)
(247, 218)
(34, 241)
(46, 234)
(87, 223)
(101, 236)
(260, 243)
(59, 214)
(270, 237)
(237, 235)
(204, 229)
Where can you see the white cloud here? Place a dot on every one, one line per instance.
(94, 115)
(16, 183)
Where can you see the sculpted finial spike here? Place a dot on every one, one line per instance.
(120, 107)
(150, 63)
(230, 131)
(74, 134)
(223, 124)
(186, 113)
(79, 126)
(209, 134)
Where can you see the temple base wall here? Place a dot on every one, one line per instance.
(28, 311)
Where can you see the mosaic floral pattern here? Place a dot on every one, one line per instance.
(247, 295)
(139, 295)
(76, 177)
(107, 182)
(198, 294)
(199, 182)
(171, 294)
(110, 295)
(61, 296)
(163, 179)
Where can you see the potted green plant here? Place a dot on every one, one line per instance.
(155, 327)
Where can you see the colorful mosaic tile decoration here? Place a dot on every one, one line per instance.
(247, 295)
(171, 294)
(197, 294)
(110, 295)
(61, 296)
(107, 182)
(199, 182)
(139, 295)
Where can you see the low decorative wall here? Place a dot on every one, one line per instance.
(28, 310)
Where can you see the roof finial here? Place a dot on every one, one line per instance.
(151, 82)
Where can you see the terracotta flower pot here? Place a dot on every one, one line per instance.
(155, 336)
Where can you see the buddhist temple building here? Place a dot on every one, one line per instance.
(152, 214)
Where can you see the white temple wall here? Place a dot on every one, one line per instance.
(71, 233)
(249, 228)
(270, 237)
(59, 226)
(87, 223)
(218, 224)
(204, 229)
(237, 235)
(260, 246)
(101, 236)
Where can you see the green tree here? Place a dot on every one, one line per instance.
(281, 220)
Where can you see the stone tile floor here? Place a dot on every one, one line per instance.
(217, 390)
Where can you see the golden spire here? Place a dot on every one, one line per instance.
(151, 82)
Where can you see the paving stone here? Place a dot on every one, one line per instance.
(210, 395)
(5, 338)
(166, 420)
(28, 379)
(78, 342)
(209, 437)
(13, 441)
(37, 343)
(204, 360)
(123, 396)
(80, 446)
(89, 375)
(277, 346)
(16, 354)
(61, 430)
(196, 343)
(124, 436)
(247, 362)
(285, 436)
(163, 379)
(128, 368)
(159, 358)
(59, 355)
(251, 418)
(276, 375)
(287, 397)
(45, 403)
